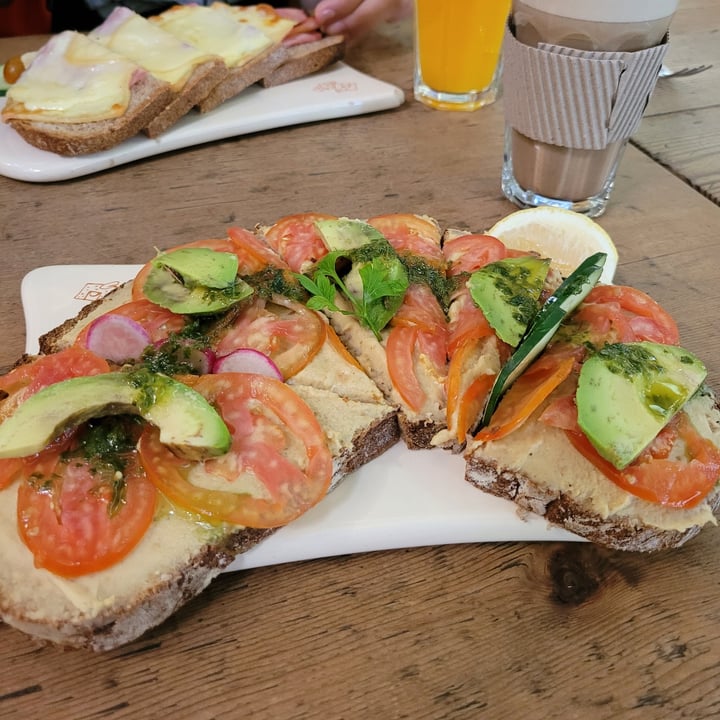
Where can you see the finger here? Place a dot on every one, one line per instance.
(301, 38)
(327, 11)
(291, 13)
(360, 20)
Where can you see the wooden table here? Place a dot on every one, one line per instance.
(505, 630)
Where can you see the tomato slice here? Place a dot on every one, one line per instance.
(418, 334)
(526, 394)
(340, 349)
(278, 465)
(283, 329)
(616, 313)
(296, 239)
(400, 359)
(68, 516)
(467, 253)
(410, 234)
(467, 321)
(49, 369)
(25, 380)
(679, 483)
(465, 400)
(253, 253)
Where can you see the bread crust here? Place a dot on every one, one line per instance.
(560, 509)
(240, 78)
(305, 59)
(198, 86)
(148, 96)
(121, 623)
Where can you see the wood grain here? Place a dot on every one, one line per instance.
(508, 630)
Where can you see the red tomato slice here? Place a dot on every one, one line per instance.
(220, 245)
(253, 253)
(467, 321)
(410, 234)
(526, 394)
(49, 369)
(283, 329)
(401, 366)
(468, 253)
(64, 514)
(682, 483)
(616, 313)
(27, 379)
(297, 241)
(278, 448)
(421, 309)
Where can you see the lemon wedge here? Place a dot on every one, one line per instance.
(566, 237)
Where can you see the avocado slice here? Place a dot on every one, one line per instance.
(627, 393)
(544, 325)
(195, 281)
(201, 266)
(187, 422)
(508, 293)
(345, 234)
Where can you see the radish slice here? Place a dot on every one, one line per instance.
(247, 360)
(117, 338)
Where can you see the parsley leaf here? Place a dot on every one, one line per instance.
(374, 301)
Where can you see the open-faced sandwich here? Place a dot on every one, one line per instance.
(220, 394)
(81, 94)
(163, 431)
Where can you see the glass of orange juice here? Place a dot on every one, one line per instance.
(457, 52)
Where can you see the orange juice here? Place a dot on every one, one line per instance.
(458, 46)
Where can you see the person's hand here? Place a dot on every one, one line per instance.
(354, 18)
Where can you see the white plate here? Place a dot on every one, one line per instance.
(340, 91)
(401, 499)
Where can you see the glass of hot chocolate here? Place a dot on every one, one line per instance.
(578, 76)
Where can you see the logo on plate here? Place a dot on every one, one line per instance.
(336, 87)
(94, 291)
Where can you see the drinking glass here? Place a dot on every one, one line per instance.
(457, 52)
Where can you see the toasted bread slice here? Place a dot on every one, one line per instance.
(117, 100)
(176, 559)
(241, 78)
(191, 72)
(248, 38)
(305, 59)
(180, 555)
(538, 469)
(149, 96)
(297, 240)
(198, 86)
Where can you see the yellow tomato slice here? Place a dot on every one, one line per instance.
(278, 466)
(526, 395)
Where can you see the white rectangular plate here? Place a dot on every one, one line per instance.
(401, 499)
(339, 91)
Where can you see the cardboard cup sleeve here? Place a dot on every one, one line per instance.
(577, 98)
